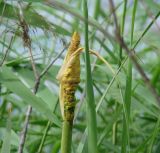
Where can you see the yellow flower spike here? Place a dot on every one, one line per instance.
(69, 77)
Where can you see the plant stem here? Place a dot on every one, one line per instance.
(146, 29)
(122, 29)
(44, 137)
(66, 137)
(126, 115)
(46, 131)
(128, 91)
(91, 112)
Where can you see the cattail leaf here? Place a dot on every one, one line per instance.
(13, 83)
(7, 137)
(91, 111)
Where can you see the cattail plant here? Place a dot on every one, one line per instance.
(69, 78)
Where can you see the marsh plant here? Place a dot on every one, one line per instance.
(79, 76)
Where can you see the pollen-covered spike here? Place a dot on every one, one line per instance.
(74, 45)
(69, 77)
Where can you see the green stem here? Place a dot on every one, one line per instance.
(156, 75)
(91, 112)
(122, 29)
(128, 91)
(46, 131)
(96, 9)
(126, 116)
(114, 128)
(66, 139)
(44, 137)
(145, 30)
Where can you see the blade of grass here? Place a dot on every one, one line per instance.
(133, 20)
(96, 9)
(46, 132)
(146, 30)
(128, 91)
(120, 60)
(95, 16)
(155, 133)
(126, 116)
(91, 112)
(122, 29)
(156, 75)
(7, 137)
(82, 142)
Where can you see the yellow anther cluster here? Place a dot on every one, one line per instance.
(69, 77)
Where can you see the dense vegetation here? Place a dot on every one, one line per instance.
(125, 82)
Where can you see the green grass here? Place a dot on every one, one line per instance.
(90, 109)
(128, 93)
(123, 27)
(7, 136)
(116, 112)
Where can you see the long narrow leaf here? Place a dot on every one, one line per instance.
(12, 82)
(91, 112)
(7, 137)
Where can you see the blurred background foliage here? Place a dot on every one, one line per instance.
(51, 24)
